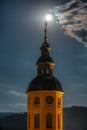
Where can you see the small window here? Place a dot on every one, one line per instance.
(49, 120)
(36, 121)
(37, 100)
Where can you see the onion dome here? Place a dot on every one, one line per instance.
(45, 82)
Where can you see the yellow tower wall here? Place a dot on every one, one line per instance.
(55, 108)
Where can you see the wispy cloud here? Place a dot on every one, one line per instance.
(85, 67)
(20, 104)
(73, 18)
(1, 85)
(17, 105)
(83, 55)
(13, 92)
(21, 107)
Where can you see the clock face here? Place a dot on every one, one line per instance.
(49, 99)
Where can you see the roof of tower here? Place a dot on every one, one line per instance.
(45, 59)
(45, 44)
(44, 82)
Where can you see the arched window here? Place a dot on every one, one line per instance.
(42, 71)
(37, 100)
(47, 71)
(49, 120)
(59, 120)
(36, 121)
(29, 120)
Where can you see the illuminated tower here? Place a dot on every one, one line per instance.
(44, 94)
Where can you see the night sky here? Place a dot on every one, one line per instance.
(21, 35)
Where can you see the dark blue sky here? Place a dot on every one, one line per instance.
(21, 35)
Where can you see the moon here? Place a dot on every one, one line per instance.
(48, 17)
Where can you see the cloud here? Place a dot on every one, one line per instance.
(73, 18)
(2, 85)
(18, 105)
(13, 92)
(85, 67)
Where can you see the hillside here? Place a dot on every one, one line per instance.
(15, 121)
(4, 114)
(74, 118)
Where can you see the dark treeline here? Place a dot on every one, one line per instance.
(74, 118)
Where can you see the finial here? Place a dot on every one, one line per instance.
(48, 18)
(45, 32)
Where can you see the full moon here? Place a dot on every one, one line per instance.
(48, 17)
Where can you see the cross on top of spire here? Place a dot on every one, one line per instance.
(45, 32)
(48, 18)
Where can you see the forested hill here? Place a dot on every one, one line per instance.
(74, 118)
(15, 121)
(4, 114)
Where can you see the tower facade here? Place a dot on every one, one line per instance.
(44, 94)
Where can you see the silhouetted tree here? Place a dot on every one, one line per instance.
(1, 128)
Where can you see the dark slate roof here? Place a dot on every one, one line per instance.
(44, 82)
(45, 45)
(45, 59)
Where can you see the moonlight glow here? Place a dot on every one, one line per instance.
(48, 17)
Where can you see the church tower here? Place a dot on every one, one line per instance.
(44, 94)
